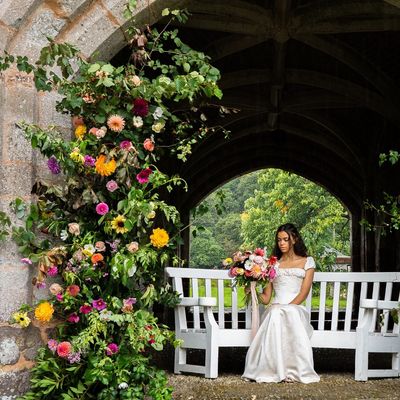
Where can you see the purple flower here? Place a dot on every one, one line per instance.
(26, 261)
(99, 304)
(52, 345)
(89, 161)
(53, 165)
(111, 186)
(52, 271)
(41, 285)
(74, 357)
(102, 208)
(143, 176)
(111, 349)
(129, 301)
(114, 245)
(59, 297)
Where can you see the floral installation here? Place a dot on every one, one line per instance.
(102, 229)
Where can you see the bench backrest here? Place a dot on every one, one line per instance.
(337, 293)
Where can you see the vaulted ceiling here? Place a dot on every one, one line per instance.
(316, 84)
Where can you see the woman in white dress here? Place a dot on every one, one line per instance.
(281, 349)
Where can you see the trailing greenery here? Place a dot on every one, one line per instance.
(102, 229)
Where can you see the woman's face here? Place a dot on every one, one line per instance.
(285, 241)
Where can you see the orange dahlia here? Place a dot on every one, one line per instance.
(116, 123)
(104, 167)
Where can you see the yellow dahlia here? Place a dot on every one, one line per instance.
(159, 238)
(104, 167)
(44, 312)
(22, 319)
(118, 224)
(116, 123)
(80, 131)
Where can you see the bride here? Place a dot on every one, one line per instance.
(281, 350)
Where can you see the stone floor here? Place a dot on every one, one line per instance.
(335, 386)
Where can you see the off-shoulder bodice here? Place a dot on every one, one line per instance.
(288, 282)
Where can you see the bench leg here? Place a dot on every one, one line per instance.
(212, 351)
(180, 358)
(361, 362)
(396, 362)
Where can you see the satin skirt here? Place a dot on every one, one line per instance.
(281, 349)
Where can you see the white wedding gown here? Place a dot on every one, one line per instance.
(281, 349)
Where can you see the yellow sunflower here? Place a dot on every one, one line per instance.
(44, 312)
(118, 224)
(80, 131)
(22, 319)
(159, 238)
(104, 167)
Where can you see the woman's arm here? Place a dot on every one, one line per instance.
(265, 296)
(305, 287)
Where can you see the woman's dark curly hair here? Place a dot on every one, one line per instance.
(299, 247)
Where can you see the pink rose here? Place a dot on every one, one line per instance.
(102, 209)
(126, 145)
(258, 259)
(233, 272)
(112, 186)
(272, 274)
(73, 318)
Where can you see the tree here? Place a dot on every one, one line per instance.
(284, 197)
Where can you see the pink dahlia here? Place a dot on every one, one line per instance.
(143, 176)
(85, 309)
(64, 349)
(140, 107)
(259, 252)
(102, 208)
(116, 123)
(126, 145)
(52, 345)
(73, 318)
(111, 349)
(52, 271)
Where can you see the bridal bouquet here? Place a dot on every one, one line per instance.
(248, 269)
(252, 266)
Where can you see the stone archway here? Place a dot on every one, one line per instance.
(316, 83)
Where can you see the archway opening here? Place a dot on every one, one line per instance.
(245, 212)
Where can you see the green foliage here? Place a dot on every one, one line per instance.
(386, 214)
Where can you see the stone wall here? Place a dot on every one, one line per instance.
(94, 26)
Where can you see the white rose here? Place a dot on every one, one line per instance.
(137, 122)
(158, 127)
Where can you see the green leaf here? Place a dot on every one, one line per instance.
(93, 68)
(165, 12)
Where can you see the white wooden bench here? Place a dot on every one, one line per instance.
(201, 320)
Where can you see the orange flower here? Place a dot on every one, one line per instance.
(116, 123)
(73, 290)
(96, 258)
(103, 167)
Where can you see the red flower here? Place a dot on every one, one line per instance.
(259, 252)
(143, 176)
(85, 309)
(64, 349)
(140, 107)
(73, 318)
(272, 260)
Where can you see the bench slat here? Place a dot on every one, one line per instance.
(388, 296)
(208, 287)
(363, 295)
(221, 301)
(309, 301)
(321, 313)
(349, 306)
(335, 308)
(196, 309)
(375, 295)
(235, 320)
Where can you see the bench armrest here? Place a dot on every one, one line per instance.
(378, 304)
(198, 301)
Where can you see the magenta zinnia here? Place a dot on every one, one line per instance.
(99, 304)
(102, 208)
(143, 176)
(111, 349)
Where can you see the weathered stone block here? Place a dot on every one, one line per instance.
(14, 383)
(17, 178)
(9, 351)
(95, 27)
(12, 12)
(17, 148)
(47, 111)
(5, 35)
(72, 7)
(43, 24)
(15, 288)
